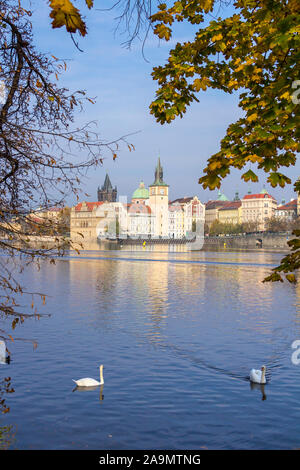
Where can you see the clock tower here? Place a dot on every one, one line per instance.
(159, 203)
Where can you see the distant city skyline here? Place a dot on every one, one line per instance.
(254, 188)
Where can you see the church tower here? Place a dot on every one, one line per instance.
(107, 193)
(159, 202)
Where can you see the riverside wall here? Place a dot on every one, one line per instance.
(260, 240)
(264, 240)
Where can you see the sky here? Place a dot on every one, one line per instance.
(121, 81)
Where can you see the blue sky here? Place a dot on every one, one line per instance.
(121, 80)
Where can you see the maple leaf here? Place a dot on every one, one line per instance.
(65, 14)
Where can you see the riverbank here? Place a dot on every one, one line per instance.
(273, 242)
(261, 240)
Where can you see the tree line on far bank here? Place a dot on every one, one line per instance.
(272, 224)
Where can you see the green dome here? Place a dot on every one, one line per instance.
(264, 191)
(141, 192)
(222, 197)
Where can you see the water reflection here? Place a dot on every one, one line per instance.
(5, 388)
(176, 330)
(261, 388)
(7, 432)
(90, 389)
(7, 436)
(151, 293)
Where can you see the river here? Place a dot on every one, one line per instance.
(177, 333)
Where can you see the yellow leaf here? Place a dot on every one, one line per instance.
(217, 37)
(252, 117)
(65, 14)
(286, 95)
(240, 67)
(201, 83)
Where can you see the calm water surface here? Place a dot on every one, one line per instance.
(177, 333)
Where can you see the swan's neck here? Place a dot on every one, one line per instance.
(263, 372)
(101, 375)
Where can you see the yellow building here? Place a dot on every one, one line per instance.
(212, 211)
(230, 213)
(84, 220)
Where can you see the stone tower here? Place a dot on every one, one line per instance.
(159, 202)
(107, 192)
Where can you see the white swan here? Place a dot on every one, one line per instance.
(258, 376)
(2, 352)
(3, 358)
(87, 382)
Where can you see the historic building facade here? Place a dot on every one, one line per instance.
(287, 211)
(258, 207)
(231, 212)
(149, 214)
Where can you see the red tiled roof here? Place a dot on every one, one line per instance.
(231, 205)
(183, 200)
(90, 205)
(215, 204)
(289, 206)
(137, 208)
(259, 196)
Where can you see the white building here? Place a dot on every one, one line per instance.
(193, 213)
(176, 221)
(140, 221)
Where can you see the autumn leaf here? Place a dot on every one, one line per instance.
(65, 14)
(252, 117)
(217, 37)
(291, 278)
(250, 175)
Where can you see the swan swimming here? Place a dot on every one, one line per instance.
(258, 376)
(87, 382)
(3, 358)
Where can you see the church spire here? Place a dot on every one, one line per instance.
(159, 175)
(107, 192)
(107, 186)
